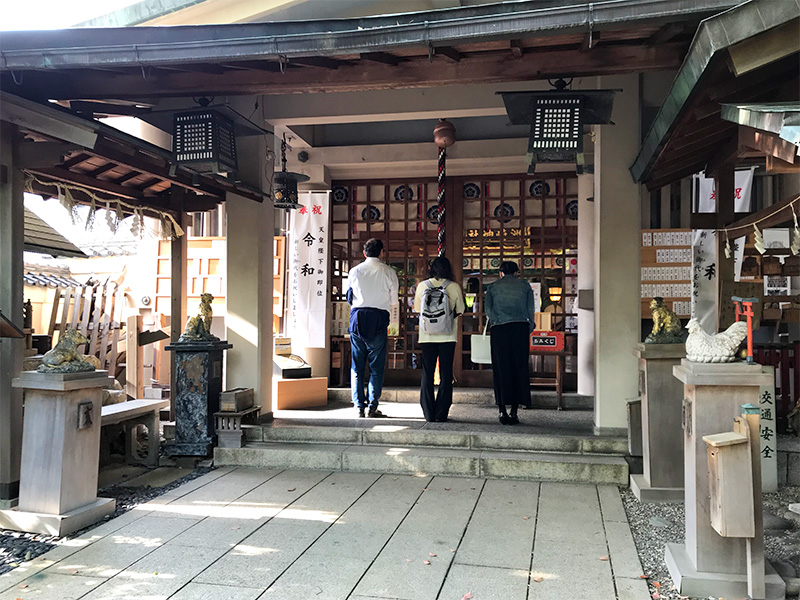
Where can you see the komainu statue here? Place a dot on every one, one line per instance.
(65, 358)
(667, 327)
(198, 328)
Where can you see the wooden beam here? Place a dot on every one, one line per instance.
(104, 169)
(318, 61)
(769, 143)
(76, 160)
(666, 33)
(723, 158)
(449, 53)
(487, 67)
(196, 68)
(382, 57)
(775, 215)
(149, 183)
(776, 165)
(127, 177)
(43, 154)
(88, 182)
(517, 49)
(254, 65)
(765, 48)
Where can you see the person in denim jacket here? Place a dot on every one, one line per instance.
(510, 309)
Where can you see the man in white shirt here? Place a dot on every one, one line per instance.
(373, 292)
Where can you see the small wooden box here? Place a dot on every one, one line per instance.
(236, 400)
(543, 321)
(730, 484)
(300, 393)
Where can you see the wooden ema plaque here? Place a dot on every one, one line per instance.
(547, 341)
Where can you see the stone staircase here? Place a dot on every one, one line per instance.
(396, 449)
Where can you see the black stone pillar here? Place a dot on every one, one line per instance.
(198, 381)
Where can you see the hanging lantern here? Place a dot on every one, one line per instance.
(204, 140)
(556, 120)
(284, 193)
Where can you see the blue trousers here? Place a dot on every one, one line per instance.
(365, 351)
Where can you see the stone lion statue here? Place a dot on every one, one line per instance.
(65, 358)
(198, 328)
(667, 327)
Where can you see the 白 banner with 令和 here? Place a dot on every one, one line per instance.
(308, 271)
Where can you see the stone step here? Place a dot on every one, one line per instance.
(418, 460)
(539, 399)
(469, 440)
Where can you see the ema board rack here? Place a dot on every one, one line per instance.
(667, 269)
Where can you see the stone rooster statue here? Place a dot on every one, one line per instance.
(721, 347)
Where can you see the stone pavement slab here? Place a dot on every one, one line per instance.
(205, 591)
(486, 582)
(158, 477)
(265, 534)
(52, 586)
(503, 506)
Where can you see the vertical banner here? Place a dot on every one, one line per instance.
(706, 201)
(308, 271)
(704, 278)
(768, 438)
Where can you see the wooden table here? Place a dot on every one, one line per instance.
(558, 379)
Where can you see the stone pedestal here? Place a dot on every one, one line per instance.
(709, 564)
(662, 439)
(60, 454)
(198, 380)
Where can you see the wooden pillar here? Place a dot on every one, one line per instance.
(178, 282)
(11, 267)
(724, 182)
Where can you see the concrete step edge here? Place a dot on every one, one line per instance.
(600, 445)
(430, 461)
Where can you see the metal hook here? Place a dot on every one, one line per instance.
(14, 77)
(282, 62)
(591, 23)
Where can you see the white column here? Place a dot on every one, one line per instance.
(250, 231)
(586, 266)
(616, 291)
(11, 243)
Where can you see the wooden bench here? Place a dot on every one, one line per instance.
(133, 413)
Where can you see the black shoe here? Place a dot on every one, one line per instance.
(361, 413)
(513, 420)
(503, 418)
(374, 413)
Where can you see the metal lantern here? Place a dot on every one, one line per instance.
(204, 140)
(284, 193)
(556, 120)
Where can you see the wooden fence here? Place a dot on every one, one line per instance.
(786, 360)
(95, 310)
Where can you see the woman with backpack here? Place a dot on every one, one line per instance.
(439, 302)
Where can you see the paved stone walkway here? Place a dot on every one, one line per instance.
(247, 534)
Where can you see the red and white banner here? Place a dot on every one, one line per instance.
(706, 201)
(308, 271)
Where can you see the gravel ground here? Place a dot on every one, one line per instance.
(16, 547)
(653, 525)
